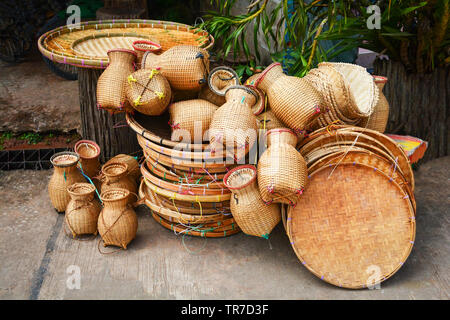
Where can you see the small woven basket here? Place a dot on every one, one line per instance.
(142, 46)
(252, 215)
(185, 67)
(221, 78)
(282, 170)
(133, 166)
(116, 176)
(112, 83)
(148, 92)
(89, 152)
(190, 120)
(83, 209)
(117, 223)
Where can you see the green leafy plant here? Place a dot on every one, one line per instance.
(290, 31)
(31, 137)
(413, 32)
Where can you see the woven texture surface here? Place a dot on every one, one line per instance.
(350, 222)
(267, 121)
(379, 118)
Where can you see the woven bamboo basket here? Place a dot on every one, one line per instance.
(380, 116)
(117, 223)
(252, 79)
(221, 78)
(251, 213)
(267, 121)
(365, 219)
(206, 94)
(209, 232)
(142, 46)
(133, 166)
(260, 104)
(190, 120)
(65, 173)
(112, 83)
(234, 124)
(216, 188)
(87, 45)
(282, 170)
(148, 92)
(185, 67)
(116, 176)
(361, 86)
(88, 151)
(82, 210)
(293, 100)
(394, 148)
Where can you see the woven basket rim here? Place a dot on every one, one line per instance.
(263, 74)
(379, 79)
(89, 142)
(242, 87)
(125, 193)
(90, 187)
(114, 164)
(278, 130)
(64, 153)
(213, 72)
(246, 166)
(122, 50)
(158, 46)
(260, 102)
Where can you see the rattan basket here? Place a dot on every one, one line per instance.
(267, 121)
(116, 176)
(142, 46)
(380, 116)
(89, 151)
(221, 78)
(366, 223)
(252, 215)
(148, 92)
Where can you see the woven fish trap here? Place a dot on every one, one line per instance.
(117, 223)
(87, 45)
(380, 116)
(361, 86)
(158, 130)
(221, 78)
(186, 67)
(190, 119)
(267, 121)
(369, 159)
(366, 222)
(293, 100)
(394, 148)
(260, 104)
(116, 176)
(207, 213)
(282, 170)
(83, 210)
(252, 215)
(89, 151)
(133, 165)
(186, 197)
(184, 187)
(252, 79)
(209, 232)
(142, 46)
(148, 92)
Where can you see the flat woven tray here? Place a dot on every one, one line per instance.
(85, 44)
(353, 229)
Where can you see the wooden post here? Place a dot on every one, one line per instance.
(419, 105)
(111, 132)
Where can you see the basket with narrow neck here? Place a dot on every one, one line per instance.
(89, 152)
(234, 124)
(116, 176)
(293, 100)
(282, 170)
(252, 215)
(111, 85)
(185, 67)
(65, 173)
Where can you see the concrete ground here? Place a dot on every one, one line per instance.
(36, 256)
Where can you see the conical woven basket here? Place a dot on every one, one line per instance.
(252, 215)
(190, 120)
(148, 92)
(83, 209)
(366, 223)
(112, 83)
(89, 152)
(117, 223)
(185, 67)
(65, 173)
(282, 170)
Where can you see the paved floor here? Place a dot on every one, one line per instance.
(36, 256)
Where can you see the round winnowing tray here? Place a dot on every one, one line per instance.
(354, 228)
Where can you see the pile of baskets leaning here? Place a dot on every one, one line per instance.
(222, 157)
